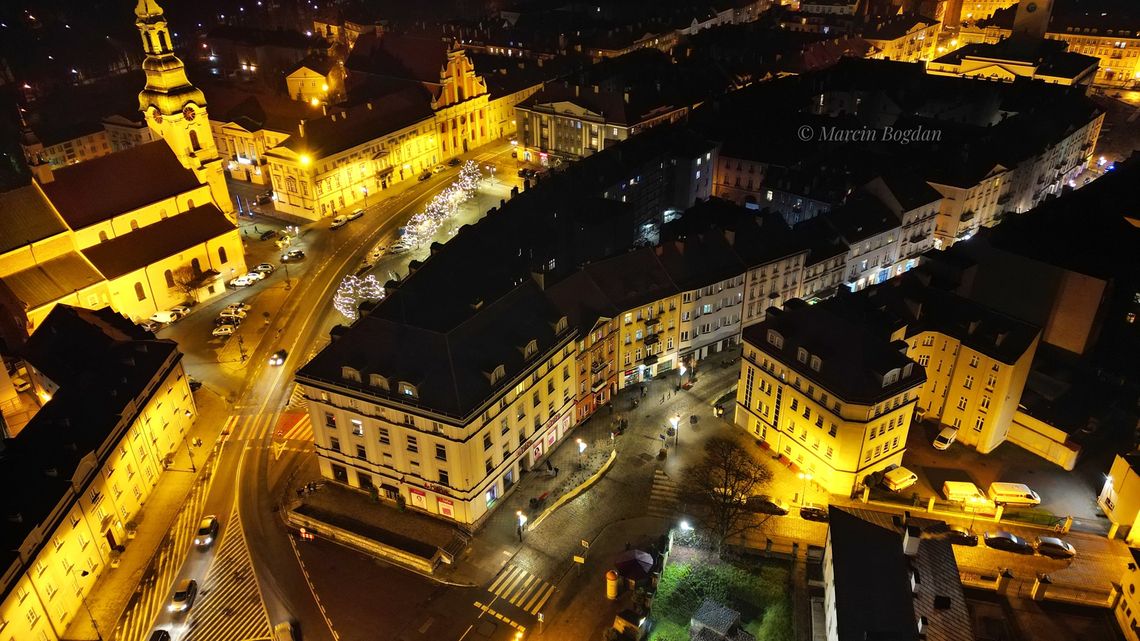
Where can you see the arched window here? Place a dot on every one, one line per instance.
(194, 140)
(163, 41)
(162, 214)
(189, 203)
(196, 265)
(102, 236)
(134, 225)
(140, 292)
(169, 278)
(222, 255)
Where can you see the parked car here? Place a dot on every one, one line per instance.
(242, 281)
(207, 531)
(182, 310)
(159, 635)
(726, 495)
(150, 326)
(899, 479)
(237, 307)
(959, 535)
(813, 512)
(292, 256)
(283, 241)
(195, 385)
(265, 268)
(454, 162)
(438, 168)
(256, 276)
(1008, 542)
(232, 313)
(1054, 548)
(765, 504)
(1013, 494)
(356, 213)
(338, 222)
(268, 234)
(265, 197)
(398, 248)
(165, 317)
(224, 330)
(527, 172)
(278, 357)
(21, 384)
(228, 320)
(945, 438)
(184, 595)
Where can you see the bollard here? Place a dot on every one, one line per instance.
(611, 585)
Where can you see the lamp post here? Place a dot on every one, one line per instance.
(522, 522)
(364, 190)
(675, 421)
(681, 375)
(83, 597)
(581, 454)
(806, 479)
(189, 452)
(288, 283)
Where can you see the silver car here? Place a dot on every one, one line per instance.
(1054, 548)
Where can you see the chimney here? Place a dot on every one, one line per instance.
(973, 327)
(1000, 338)
(625, 96)
(577, 91)
(911, 537)
(369, 106)
(301, 127)
(42, 172)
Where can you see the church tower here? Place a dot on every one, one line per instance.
(176, 109)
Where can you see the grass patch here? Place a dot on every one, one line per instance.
(762, 596)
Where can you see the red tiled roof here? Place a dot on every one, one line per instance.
(97, 190)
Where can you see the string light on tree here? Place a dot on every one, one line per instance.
(423, 226)
(353, 290)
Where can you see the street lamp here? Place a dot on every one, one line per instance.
(685, 527)
(581, 453)
(189, 452)
(522, 522)
(675, 421)
(83, 597)
(681, 375)
(364, 190)
(806, 478)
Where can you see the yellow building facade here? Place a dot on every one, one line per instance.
(805, 407)
(57, 564)
(649, 340)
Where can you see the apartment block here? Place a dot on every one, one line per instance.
(826, 395)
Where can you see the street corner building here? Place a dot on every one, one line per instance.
(826, 394)
(116, 405)
(442, 404)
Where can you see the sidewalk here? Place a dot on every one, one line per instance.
(112, 592)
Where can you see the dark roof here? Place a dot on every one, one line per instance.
(317, 62)
(861, 217)
(632, 279)
(73, 333)
(346, 128)
(1049, 56)
(717, 617)
(896, 27)
(102, 188)
(266, 37)
(52, 134)
(399, 55)
(26, 217)
(872, 578)
(150, 244)
(105, 385)
(853, 359)
(871, 584)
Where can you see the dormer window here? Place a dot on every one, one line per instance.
(350, 373)
(407, 389)
(891, 377)
(802, 355)
(816, 363)
(560, 326)
(775, 339)
(531, 349)
(497, 374)
(376, 380)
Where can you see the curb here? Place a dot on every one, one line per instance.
(572, 494)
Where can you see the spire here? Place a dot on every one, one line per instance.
(148, 9)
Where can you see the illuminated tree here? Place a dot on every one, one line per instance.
(352, 291)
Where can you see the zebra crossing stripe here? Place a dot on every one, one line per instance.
(499, 579)
(539, 599)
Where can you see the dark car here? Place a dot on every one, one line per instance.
(454, 162)
(265, 198)
(159, 635)
(765, 504)
(813, 512)
(959, 535)
(1008, 542)
(268, 234)
(424, 176)
(227, 320)
(195, 385)
(292, 256)
(278, 358)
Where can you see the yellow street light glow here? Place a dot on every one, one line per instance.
(305, 160)
(324, 87)
(314, 101)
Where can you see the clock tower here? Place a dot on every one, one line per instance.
(174, 108)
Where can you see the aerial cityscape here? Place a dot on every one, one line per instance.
(621, 320)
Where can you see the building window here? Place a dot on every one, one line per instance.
(222, 257)
(486, 442)
(973, 360)
(969, 382)
(357, 427)
(961, 402)
(489, 465)
(169, 275)
(334, 444)
(330, 420)
(440, 452)
(413, 445)
(385, 438)
(361, 453)
(140, 293)
(979, 423)
(444, 479)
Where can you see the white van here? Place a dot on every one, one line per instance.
(899, 479)
(961, 492)
(1013, 494)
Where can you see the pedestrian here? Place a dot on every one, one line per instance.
(555, 471)
(520, 533)
(256, 230)
(549, 465)
(662, 399)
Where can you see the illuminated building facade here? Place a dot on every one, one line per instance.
(906, 38)
(116, 405)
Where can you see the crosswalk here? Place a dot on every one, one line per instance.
(521, 589)
(294, 427)
(154, 589)
(663, 496)
(231, 607)
(297, 400)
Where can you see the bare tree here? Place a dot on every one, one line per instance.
(186, 281)
(720, 484)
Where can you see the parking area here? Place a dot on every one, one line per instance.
(1062, 492)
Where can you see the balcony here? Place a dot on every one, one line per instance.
(597, 367)
(652, 339)
(967, 216)
(651, 321)
(598, 385)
